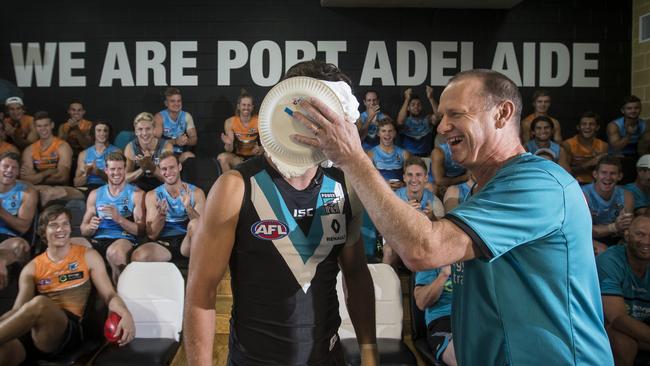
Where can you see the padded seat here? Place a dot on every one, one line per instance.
(392, 352)
(388, 315)
(154, 294)
(140, 351)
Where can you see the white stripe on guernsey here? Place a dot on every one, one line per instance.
(303, 272)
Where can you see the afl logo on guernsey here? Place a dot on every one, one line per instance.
(269, 230)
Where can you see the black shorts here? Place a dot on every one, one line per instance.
(102, 244)
(4, 237)
(439, 336)
(147, 183)
(90, 188)
(609, 240)
(72, 339)
(336, 354)
(173, 244)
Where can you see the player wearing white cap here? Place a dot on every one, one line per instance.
(18, 124)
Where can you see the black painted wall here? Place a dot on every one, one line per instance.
(97, 23)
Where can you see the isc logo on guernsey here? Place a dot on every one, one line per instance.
(269, 230)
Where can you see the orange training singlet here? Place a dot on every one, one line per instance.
(84, 126)
(66, 283)
(5, 146)
(24, 126)
(245, 137)
(581, 153)
(47, 159)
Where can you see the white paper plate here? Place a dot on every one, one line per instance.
(276, 125)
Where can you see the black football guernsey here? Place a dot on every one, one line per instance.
(284, 265)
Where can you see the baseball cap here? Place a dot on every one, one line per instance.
(644, 161)
(12, 100)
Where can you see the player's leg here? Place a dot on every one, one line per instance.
(151, 252)
(186, 245)
(40, 315)
(12, 353)
(117, 255)
(624, 347)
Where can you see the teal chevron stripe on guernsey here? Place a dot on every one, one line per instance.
(305, 246)
(269, 205)
(284, 246)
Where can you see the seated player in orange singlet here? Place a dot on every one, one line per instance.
(4, 145)
(18, 124)
(76, 130)
(47, 162)
(240, 135)
(54, 287)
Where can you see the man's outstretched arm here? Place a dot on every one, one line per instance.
(211, 248)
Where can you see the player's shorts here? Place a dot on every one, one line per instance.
(335, 358)
(72, 339)
(173, 244)
(4, 237)
(439, 336)
(102, 244)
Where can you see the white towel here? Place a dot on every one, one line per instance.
(347, 99)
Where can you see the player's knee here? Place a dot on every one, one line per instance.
(11, 353)
(19, 246)
(115, 255)
(223, 158)
(191, 226)
(185, 250)
(73, 193)
(186, 155)
(141, 255)
(449, 356)
(37, 306)
(623, 346)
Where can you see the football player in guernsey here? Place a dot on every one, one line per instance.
(47, 162)
(114, 215)
(176, 125)
(18, 124)
(53, 292)
(173, 210)
(240, 135)
(92, 161)
(284, 236)
(17, 208)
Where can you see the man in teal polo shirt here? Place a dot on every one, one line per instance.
(640, 188)
(625, 284)
(528, 293)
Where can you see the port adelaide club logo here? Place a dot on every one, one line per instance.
(269, 230)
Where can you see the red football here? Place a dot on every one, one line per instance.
(110, 326)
